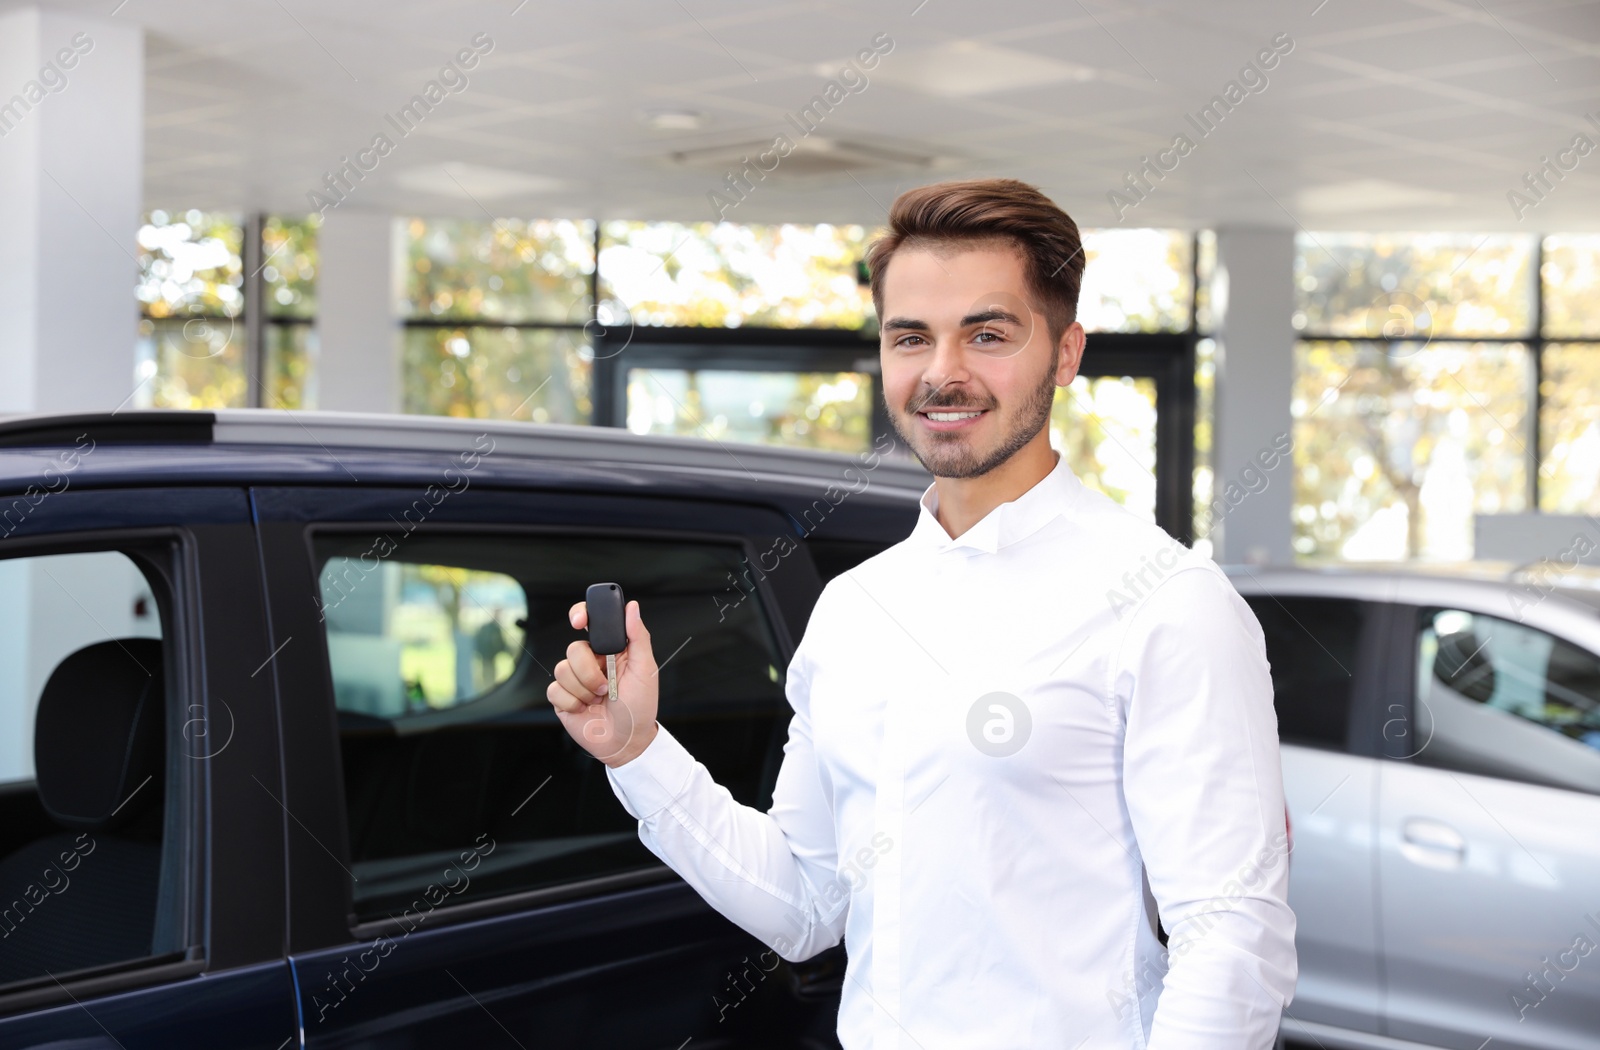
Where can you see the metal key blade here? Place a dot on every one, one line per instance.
(611, 677)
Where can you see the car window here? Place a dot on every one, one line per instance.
(460, 783)
(1501, 699)
(1312, 645)
(84, 735)
(453, 633)
(833, 557)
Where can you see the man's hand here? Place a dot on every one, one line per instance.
(615, 733)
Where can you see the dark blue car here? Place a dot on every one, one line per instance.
(276, 764)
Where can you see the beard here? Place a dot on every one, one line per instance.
(952, 455)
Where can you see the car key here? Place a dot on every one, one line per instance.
(608, 633)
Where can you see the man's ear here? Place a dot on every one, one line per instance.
(1071, 347)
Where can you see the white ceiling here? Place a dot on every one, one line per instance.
(1388, 114)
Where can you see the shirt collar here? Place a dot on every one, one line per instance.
(1052, 496)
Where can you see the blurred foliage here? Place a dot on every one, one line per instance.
(1205, 321)
(1398, 445)
(289, 265)
(1205, 470)
(509, 270)
(1569, 425)
(1572, 286)
(189, 264)
(190, 363)
(290, 349)
(724, 275)
(1136, 281)
(822, 410)
(1105, 427)
(496, 373)
(1413, 285)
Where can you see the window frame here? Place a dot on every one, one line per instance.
(316, 921)
(167, 558)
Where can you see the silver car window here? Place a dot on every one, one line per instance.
(1502, 699)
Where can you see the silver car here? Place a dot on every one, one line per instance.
(1440, 732)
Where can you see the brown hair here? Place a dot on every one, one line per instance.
(976, 210)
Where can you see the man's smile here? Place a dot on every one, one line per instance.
(943, 419)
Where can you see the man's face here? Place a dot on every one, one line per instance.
(969, 368)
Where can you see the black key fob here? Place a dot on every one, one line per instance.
(608, 633)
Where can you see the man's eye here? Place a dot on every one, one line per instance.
(987, 336)
(907, 340)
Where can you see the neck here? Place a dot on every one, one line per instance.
(963, 502)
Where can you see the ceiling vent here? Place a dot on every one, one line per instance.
(810, 156)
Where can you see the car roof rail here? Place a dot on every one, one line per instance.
(140, 427)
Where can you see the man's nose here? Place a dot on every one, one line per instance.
(948, 364)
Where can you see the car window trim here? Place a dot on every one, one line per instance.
(178, 572)
(801, 583)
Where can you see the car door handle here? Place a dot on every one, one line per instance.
(1432, 844)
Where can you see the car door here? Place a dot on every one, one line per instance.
(141, 868)
(463, 870)
(1323, 653)
(1489, 833)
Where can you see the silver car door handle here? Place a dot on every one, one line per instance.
(1432, 844)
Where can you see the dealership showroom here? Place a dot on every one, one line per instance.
(915, 524)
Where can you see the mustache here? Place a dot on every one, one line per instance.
(941, 399)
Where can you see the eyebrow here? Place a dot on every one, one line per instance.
(911, 324)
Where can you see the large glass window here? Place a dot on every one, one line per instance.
(504, 372)
(826, 410)
(440, 658)
(1426, 393)
(1136, 280)
(1398, 445)
(191, 330)
(510, 271)
(195, 297)
(499, 319)
(1569, 428)
(728, 274)
(1571, 273)
(1106, 427)
(1408, 286)
(289, 288)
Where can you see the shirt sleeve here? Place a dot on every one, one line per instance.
(766, 872)
(1204, 789)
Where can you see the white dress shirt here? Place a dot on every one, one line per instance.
(990, 860)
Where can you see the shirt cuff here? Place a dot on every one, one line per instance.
(655, 778)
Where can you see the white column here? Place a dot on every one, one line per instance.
(71, 158)
(1254, 480)
(358, 317)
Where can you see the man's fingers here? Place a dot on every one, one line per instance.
(587, 668)
(567, 677)
(563, 700)
(638, 637)
(579, 615)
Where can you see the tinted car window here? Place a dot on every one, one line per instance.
(459, 781)
(1312, 645)
(1497, 698)
(833, 557)
(83, 739)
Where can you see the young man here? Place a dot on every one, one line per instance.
(1021, 737)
